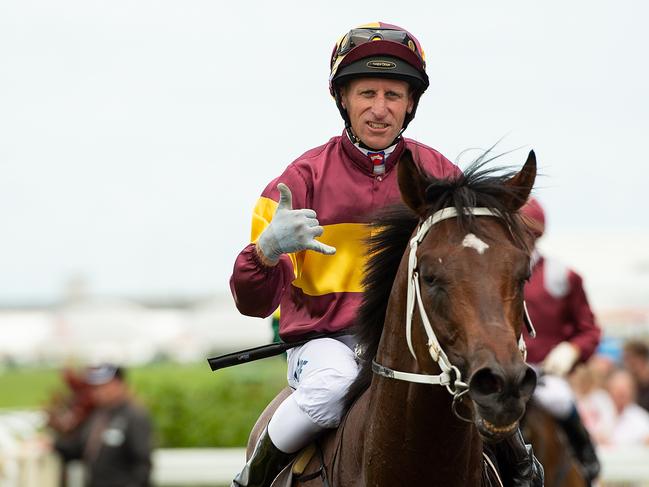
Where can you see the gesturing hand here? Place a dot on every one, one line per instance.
(291, 230)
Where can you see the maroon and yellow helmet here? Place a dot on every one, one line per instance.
(378, 50)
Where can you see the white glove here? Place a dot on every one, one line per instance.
(291, 230)
(561, 359)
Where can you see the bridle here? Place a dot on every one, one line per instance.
(450, 377)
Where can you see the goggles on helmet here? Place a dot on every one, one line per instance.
(378, 40)
(356, 37)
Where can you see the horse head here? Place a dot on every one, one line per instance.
(459, 287)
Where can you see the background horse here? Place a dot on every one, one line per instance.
(552, 449)
(444, 316)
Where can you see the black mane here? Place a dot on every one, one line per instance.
(392, 229)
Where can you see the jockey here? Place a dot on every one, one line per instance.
(378, 74)
(567, 334)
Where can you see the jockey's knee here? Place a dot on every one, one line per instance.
(321, 372)
(322, 396)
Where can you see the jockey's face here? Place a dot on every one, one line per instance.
(377, 108)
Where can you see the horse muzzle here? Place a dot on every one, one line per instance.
(499, 398)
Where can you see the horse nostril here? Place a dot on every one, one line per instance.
(486, 382)
(528, 382)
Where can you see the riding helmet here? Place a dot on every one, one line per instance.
(378, 50)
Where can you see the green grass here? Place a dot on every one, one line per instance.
(27, 387)
(191, 406)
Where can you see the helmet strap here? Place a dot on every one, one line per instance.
(359, 142)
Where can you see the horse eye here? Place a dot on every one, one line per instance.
(431, 280)
(522, 282)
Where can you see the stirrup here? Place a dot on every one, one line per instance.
(265, 463)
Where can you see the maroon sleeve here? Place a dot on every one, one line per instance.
(587, 333)
(257, 288)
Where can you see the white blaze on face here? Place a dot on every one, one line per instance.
(475, 243)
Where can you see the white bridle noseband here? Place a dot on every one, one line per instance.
(451, 376)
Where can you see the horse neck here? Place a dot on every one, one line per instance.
(412, 426)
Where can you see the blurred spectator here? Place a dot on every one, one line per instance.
(114, 442)
(610, 349)
(632, 422)
(594, 403)
(566, 334)
(635, 355)
(68, 409)
(601, 366)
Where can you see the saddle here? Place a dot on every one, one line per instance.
(293, 474)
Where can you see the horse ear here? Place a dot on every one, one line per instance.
(412, 183)
(521, 184)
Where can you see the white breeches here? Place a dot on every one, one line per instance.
(555, 394)
(320, 372)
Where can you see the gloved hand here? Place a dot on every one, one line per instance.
(561, 359)
(290, 230)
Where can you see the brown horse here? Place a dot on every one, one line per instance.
(551, 448)
(439, 328)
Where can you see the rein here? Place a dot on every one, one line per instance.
(450, 377)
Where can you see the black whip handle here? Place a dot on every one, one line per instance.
(264, 351)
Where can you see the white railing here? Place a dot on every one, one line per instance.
(627, 466)
(196, 466)
(26, 461)
(624, 465)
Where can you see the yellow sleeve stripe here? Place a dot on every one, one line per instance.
(261, 217)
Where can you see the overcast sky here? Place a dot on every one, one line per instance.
(135, 136)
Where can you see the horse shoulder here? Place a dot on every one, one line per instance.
(342, 450)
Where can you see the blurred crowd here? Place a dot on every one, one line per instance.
(613, 395)
(98, 422)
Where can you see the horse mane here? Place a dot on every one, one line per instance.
(393, 227)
